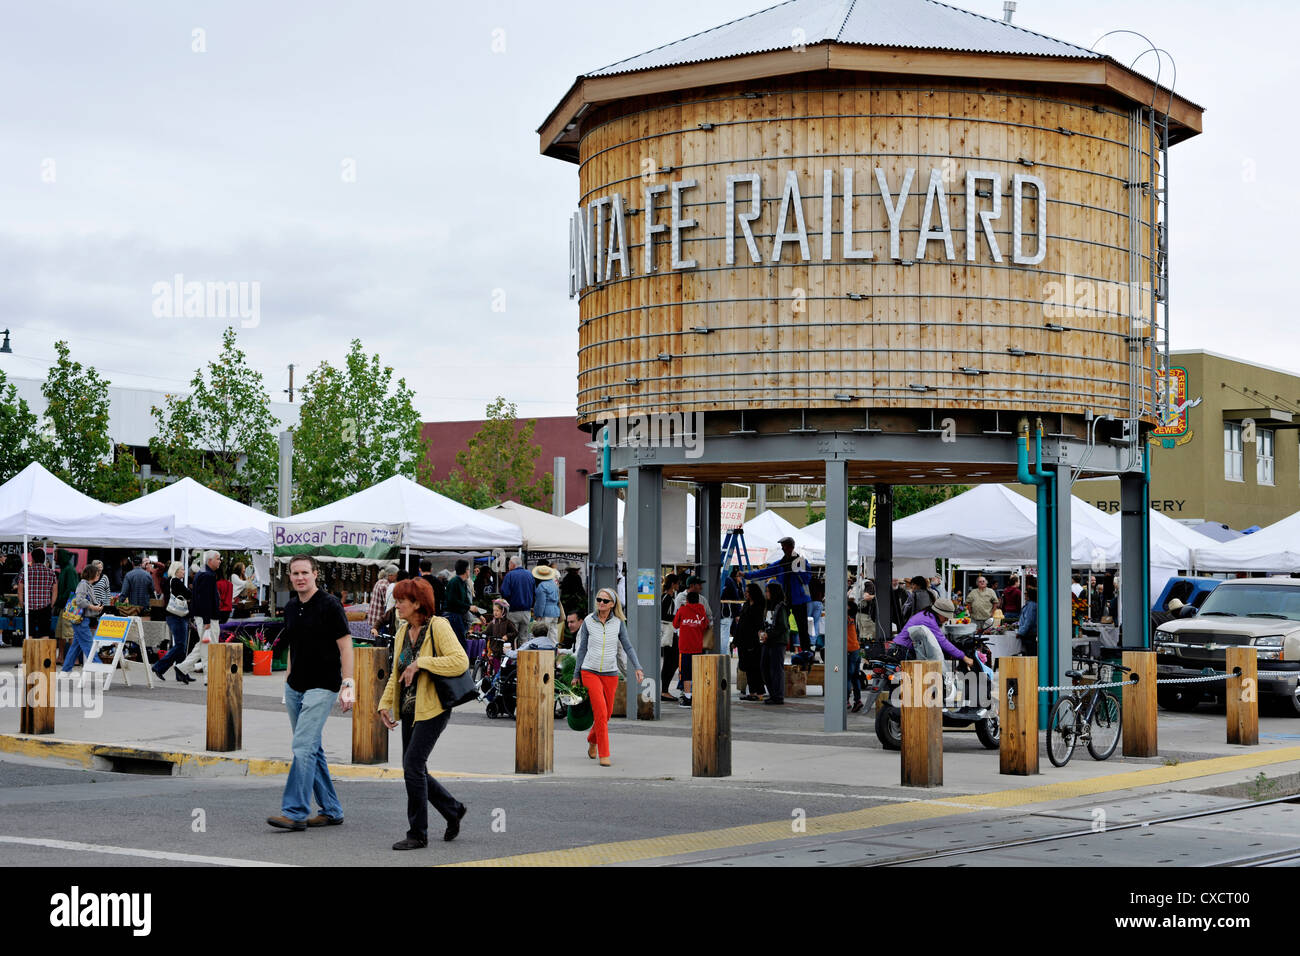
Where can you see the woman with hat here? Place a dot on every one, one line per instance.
(602, 632)
(923, 632)
(546, 599)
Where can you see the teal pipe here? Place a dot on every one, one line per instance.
(604, 462)
(1045, 551)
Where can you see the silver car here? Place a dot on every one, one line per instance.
(1263, 613)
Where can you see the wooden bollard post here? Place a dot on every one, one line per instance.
(921, 724)
(1018, 715)
(225, 696)
(535, 713)
(369, 735)
(711, 715)
(1242, 696)
(36, 710)
(1138, 723)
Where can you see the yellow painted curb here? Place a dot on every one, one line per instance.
(194, 764)
(630, 851)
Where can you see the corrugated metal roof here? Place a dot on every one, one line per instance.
(917, 24)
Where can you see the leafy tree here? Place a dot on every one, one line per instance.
(21, 441)
(76, 415)
(223, 433)
(354, 430)
(497, 464)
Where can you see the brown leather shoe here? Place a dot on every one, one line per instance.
(591, 751)
(321, 820)
(604, 761)
(284, 823)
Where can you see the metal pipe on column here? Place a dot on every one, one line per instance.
(1135, 630)
(1062, 596)
(835, 672)
(643, 545)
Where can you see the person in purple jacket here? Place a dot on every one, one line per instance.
(924, 633)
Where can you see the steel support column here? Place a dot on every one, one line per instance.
(602, 538)
(1135, 559)
(834, 680)
(708, 538)
(643, 546)
(1061, 630)
(884, 567)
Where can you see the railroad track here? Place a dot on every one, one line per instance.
(1266, 859)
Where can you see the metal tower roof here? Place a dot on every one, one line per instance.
(916, 24)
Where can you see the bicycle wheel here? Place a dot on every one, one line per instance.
(1104, 727)
(1061, 735)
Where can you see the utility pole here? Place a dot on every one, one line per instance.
(290, 388)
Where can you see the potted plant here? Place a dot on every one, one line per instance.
(262, 650)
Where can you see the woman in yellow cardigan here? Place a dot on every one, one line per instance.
(423, 643)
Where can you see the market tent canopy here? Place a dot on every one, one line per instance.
(1215, 530)
(990, 524)
(1275, 548)
(432, 521)
(541, 531)
(35, 504)
(766, 529)
(206, 518)
(1172, 544)
(812, 537)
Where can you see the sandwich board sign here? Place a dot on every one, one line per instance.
(113, 633)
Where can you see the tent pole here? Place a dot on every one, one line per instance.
(27, 592)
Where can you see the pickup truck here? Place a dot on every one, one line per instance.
(1260, 612)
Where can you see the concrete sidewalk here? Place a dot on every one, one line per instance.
(167, 723)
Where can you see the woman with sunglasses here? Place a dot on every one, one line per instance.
(599, 638)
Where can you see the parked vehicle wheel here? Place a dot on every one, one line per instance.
(1291, 705)
(989, 732)
(889, 729)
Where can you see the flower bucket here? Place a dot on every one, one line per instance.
(262, 663)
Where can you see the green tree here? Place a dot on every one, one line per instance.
(223, 433)
(355, 429)
(21, 441)
(498, 463)
(76, 416)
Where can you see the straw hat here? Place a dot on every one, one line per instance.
(544, 572)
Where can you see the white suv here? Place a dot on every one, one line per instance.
(1260, 612)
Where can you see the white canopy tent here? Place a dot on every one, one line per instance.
(1275, 548)
(433, 522)
(1173, 545)
(989, 525)
(766, 529)
(35, 504)
(205, 518)
(812, 538)
(541, 531)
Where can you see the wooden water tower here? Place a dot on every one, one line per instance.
(861, 243)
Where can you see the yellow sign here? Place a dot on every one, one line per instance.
(112, 628)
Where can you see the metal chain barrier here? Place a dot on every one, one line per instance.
(1163, 680)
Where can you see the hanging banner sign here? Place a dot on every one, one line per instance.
(733, 513)
(337, 539)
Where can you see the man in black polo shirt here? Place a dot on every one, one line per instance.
(320, 663)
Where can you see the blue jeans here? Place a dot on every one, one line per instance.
(82, 639)
(180, 632)
(310, 772)
(816, 609)
(855, 675)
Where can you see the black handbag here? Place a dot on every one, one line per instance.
(454, 691)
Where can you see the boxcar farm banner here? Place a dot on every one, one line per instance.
(337, 539)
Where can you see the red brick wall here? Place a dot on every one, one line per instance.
(558, 437)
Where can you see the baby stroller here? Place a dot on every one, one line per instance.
(499, 690)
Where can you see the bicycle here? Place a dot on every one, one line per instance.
(1087, 714)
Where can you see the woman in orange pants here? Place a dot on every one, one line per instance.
(599, 637)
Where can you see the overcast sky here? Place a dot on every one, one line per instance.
(375, 168)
